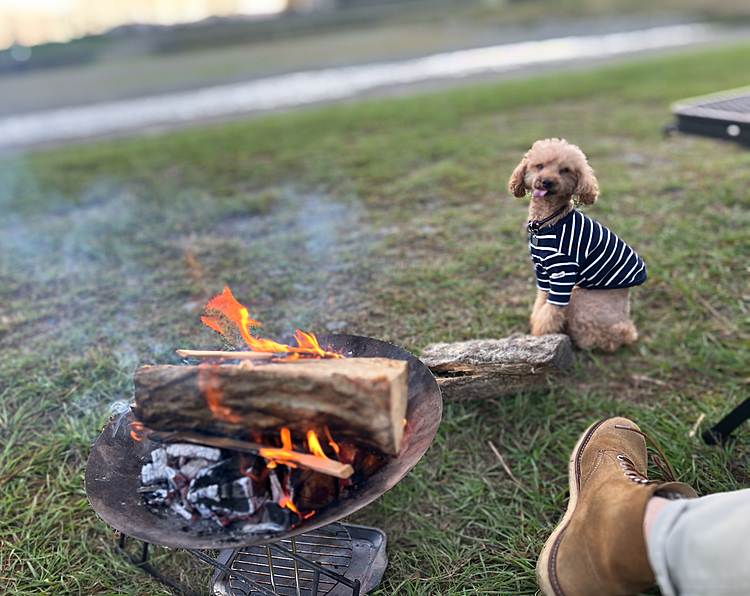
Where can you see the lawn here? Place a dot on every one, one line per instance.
(390, 219)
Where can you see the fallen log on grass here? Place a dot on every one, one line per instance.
(483, 368)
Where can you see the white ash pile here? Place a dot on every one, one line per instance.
(196, 481)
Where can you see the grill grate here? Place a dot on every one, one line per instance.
(330, 547)
(334, 560)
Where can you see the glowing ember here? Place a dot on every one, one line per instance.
(227, 306)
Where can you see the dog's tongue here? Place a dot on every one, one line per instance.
(538, 192)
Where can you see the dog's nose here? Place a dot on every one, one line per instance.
(547, 183)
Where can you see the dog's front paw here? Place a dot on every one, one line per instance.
(550, 318)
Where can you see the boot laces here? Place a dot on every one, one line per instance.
(660, 461)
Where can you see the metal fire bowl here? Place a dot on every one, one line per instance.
(113, 470)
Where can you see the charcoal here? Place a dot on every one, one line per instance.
(191, 468)
(155, 471)
(189, 450)
(281, 516)
(312, 489)
(226, 469)
(277, 492)
(193, 481)
(182, 510)
(160, 496)
(204, 493)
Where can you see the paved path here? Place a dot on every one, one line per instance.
(314, 86)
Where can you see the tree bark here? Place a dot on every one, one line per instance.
(518, 354)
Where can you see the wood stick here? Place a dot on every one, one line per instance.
(226, 354)
(305, 460)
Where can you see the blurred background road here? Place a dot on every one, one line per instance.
(150, 77)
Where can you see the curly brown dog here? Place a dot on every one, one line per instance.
(583, 270)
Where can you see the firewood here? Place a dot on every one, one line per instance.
(357, 400)
(517, 354)
(489, 368)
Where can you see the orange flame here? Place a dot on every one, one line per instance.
(233, 310)
(137, 430)
(334, 445)
(285, 501)
(228, 306)
(314, 444)
(274, 455)
(286, 439)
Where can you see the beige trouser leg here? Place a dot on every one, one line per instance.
(701, 547)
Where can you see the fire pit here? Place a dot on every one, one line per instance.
(113, 471)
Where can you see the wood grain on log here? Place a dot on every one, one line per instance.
(359, 400)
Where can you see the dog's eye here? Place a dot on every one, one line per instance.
(539, 166)
(564, 171)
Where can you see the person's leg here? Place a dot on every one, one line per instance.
(700, 547)
(653, 508)
(599, 549)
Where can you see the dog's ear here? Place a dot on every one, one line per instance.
(516, 184)
(587, 188)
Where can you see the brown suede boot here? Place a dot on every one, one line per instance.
(598, 549)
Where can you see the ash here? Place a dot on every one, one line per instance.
(196, 482)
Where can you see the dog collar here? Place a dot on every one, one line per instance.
(535, 225)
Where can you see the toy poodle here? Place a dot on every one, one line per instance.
(583, 270)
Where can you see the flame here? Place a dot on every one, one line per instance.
(276, 455)
(309, 343)
(314, 444)
(230, 308)
(136, 430)
(285, 501)
(334, 445)
(286, 439)
(226, 304)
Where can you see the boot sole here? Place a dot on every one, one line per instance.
(546, 572)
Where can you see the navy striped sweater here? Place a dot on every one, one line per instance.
(577, 251)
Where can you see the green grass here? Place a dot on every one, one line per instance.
(389, 219)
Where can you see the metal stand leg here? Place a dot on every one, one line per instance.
(722, 429)
(142, 562)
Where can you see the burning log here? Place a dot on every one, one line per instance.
(483, 368)
(361, 401)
